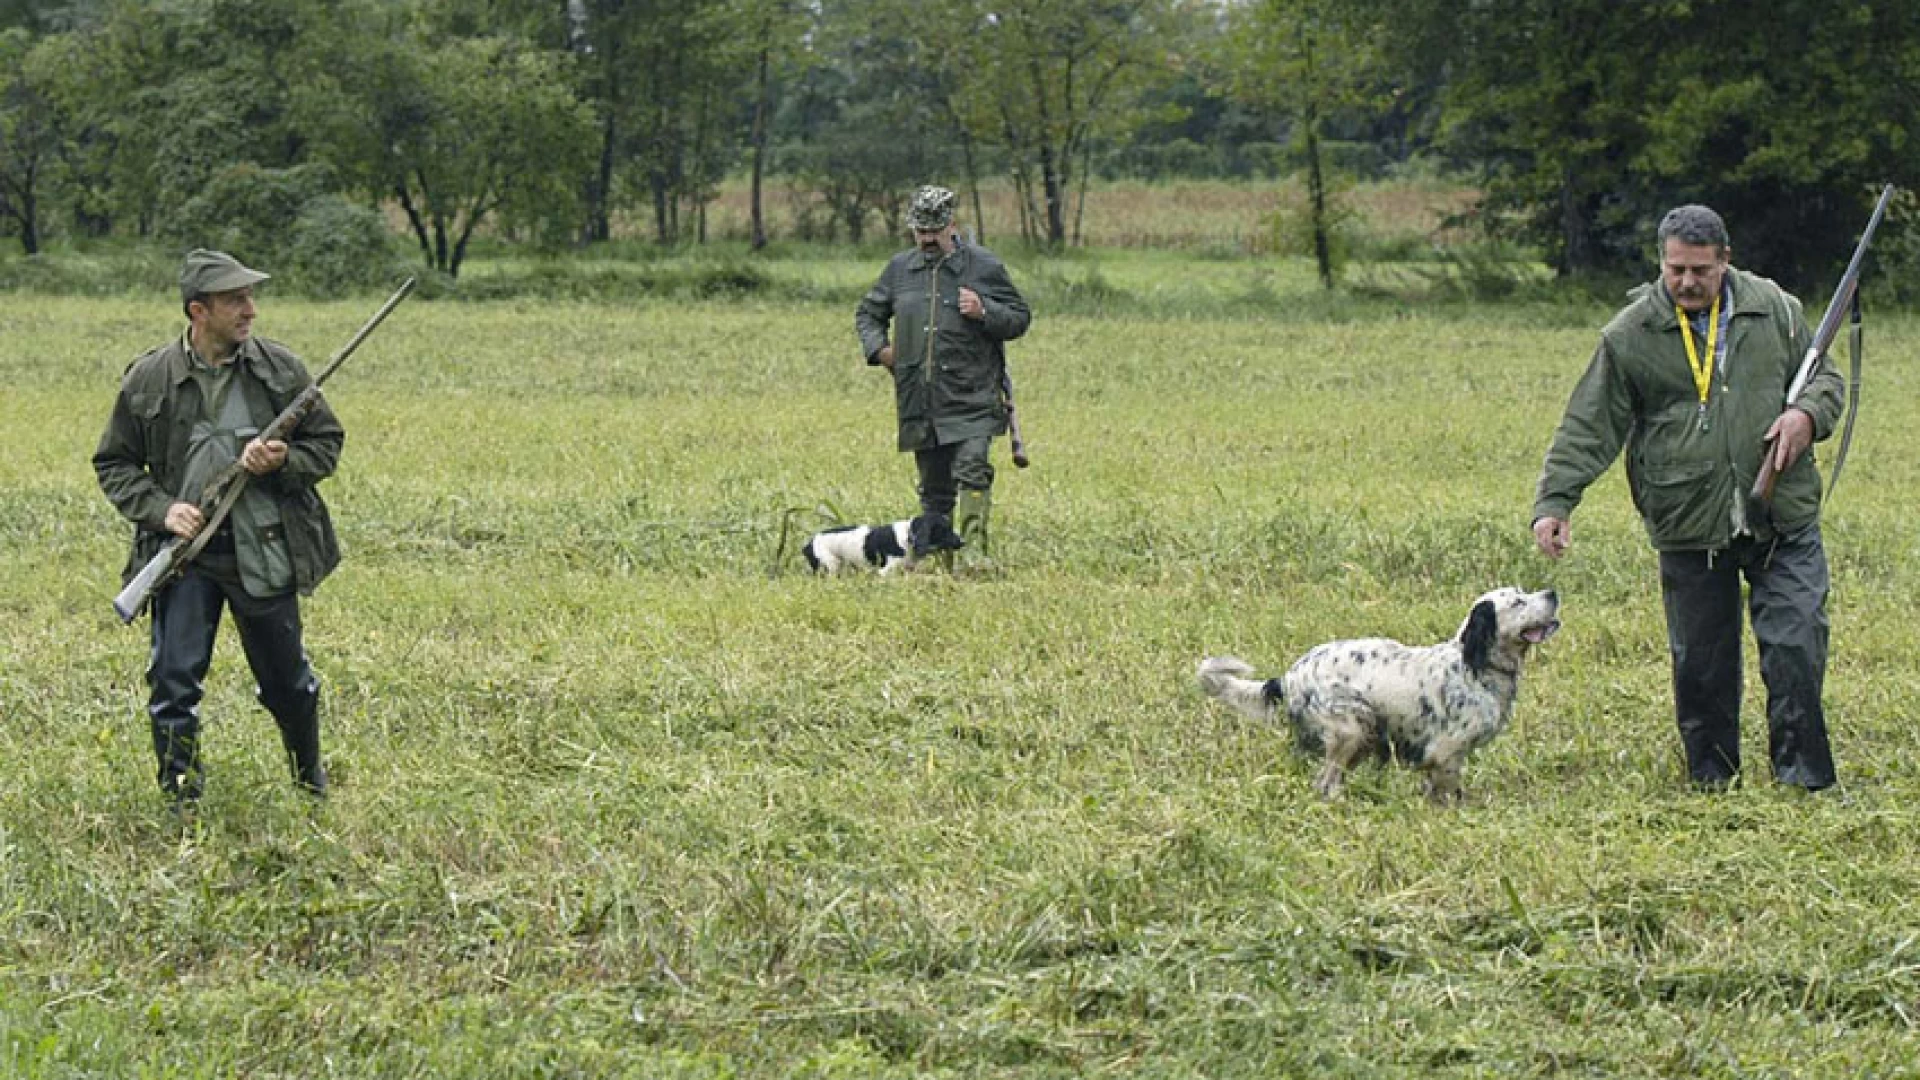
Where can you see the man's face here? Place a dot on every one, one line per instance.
(1693, 273)
(934, 241)
(226, 319)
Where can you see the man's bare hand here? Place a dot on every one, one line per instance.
(970, 304)
(1789, 437)
(885, 357)
(261, 458)
(184, 520)
(1553, 535)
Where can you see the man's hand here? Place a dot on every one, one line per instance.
(970, 304)
(184, 520)
(885, 357)
(261, 458)
(1553, 535)
(1789, 437)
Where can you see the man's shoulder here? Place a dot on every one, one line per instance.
(1757, 292)
(152, 369)
(1642, 313)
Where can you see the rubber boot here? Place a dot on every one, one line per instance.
(299, 723)
(970, 516)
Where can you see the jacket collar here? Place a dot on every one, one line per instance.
(180, 359)
(1743, 293)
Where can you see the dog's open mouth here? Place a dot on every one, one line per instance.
(1534, 635)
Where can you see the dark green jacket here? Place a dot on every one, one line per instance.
(1690, 485)
(142, 455)
(946, 367)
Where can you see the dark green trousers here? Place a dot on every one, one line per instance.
(945, 469)
(1787, 604)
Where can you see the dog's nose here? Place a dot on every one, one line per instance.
(1552, 595)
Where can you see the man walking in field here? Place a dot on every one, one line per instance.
(952, 308)
(1691, 379)
(185, 412)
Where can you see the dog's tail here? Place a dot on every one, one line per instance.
(1224, 678)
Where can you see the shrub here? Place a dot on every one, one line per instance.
(337, 245)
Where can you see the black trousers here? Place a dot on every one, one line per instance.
(1787, 596)
(186, 617)
(947, 468)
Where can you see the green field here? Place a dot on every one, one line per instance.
(620, 791)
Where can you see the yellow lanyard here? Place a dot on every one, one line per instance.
(1702, 365)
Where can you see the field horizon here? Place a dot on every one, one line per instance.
(620, 790)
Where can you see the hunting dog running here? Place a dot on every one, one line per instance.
(884, 548)
(1426, 706)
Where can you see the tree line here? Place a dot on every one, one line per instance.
(551, 120)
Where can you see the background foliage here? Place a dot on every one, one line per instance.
(588, 121)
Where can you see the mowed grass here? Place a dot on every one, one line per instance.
(621, 791)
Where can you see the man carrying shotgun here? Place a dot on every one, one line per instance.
(185, 412)
(951, 308)
(1692, 380)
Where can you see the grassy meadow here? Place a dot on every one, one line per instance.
(621, 791)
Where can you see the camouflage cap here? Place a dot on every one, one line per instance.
(207, 272)
(931, 208)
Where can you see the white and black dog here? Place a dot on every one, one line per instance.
(1427, 706)
(885, 548)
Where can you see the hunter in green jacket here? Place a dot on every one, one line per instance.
(1691, 381)
(184, 414)
(952, 307)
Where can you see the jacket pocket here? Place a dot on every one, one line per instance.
(1675, 500)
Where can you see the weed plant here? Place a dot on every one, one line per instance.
(621, 791)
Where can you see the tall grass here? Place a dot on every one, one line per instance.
(620, 791)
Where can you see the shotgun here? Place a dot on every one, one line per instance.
(221, 495)
(1844, 297)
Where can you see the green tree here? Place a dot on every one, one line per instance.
(28, 137)
(1045, 79)
(456, 131)
(1311, 59)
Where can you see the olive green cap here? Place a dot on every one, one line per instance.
(207, 272)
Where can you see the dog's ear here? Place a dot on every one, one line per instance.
(882, 543)
(1478, 636)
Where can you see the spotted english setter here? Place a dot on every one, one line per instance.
(1427, 706)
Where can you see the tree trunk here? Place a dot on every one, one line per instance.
(1317, 199)
(1576, 230)
(413, 219)
(761, 104)
(599, 223)
(1051, 182)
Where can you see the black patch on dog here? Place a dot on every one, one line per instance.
(880, 545)
(813, 561)
(1477, 640)
(932, 533)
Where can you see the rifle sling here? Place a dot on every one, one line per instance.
(1853, 401)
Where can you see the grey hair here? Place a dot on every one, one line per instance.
(1693, 224)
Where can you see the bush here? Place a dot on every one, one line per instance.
(337, 245)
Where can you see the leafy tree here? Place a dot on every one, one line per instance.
(1312, 59)
(456, 131)
(1046, 78)
(28, 138)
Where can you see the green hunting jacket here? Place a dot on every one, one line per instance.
(947, 368)
(1689, 484)
(142, 456)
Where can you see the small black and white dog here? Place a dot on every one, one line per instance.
(1429, 706)
(884, 548)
